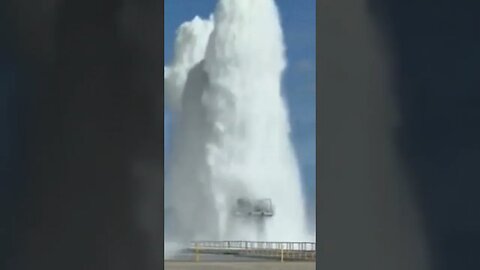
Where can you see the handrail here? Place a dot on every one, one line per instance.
(263, 245)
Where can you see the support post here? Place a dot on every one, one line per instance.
(197, 254)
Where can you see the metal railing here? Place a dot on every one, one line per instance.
(292, 246)
(302, 251)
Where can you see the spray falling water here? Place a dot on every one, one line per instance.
(231, 134)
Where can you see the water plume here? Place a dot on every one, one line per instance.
(231, 132)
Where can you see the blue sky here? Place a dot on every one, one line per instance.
(298, 20)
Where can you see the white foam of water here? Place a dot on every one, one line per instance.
(231, 131)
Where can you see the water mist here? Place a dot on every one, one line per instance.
(231, 127)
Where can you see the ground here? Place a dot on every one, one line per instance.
(239, 265)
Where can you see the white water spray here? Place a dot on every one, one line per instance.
(231, 134)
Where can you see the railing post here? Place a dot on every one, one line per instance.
(281, 254)
(197, 254)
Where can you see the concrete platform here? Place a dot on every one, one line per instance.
(239, 265)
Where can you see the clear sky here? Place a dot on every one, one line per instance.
(298, 19)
